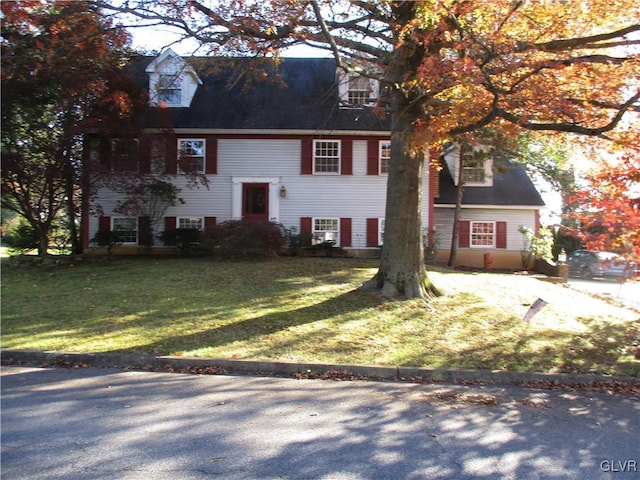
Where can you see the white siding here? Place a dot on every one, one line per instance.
(358, 196)
(443, 222)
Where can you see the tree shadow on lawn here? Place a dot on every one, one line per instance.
(252, 329)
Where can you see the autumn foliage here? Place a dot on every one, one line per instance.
(608, 208)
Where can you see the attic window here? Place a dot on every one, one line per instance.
(356, 91)
(169, 89)
(473, 173)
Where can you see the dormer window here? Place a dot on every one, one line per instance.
(356, 91)
(169, 89)
(476, 163)
(172, 81)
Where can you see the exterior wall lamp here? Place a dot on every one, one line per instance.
(283, 191)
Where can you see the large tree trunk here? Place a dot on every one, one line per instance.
(402, 271)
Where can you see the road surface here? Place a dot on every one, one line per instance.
(77, 424)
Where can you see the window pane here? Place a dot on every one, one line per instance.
(327, 156)
(482, 234)
(191, 156)
(127, 228)
(169, 89)
(195, 223)
(325, 230)
(385, 156)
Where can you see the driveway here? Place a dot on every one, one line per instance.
(627, 293)
(108, 424)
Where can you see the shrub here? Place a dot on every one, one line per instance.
(22, 238)
(188, 240)
(244, 238)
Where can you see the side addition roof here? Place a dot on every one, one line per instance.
(511, 187)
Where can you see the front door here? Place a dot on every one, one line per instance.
(255, 202)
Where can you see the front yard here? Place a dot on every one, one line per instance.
(308, 309)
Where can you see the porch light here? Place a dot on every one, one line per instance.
(283, 191)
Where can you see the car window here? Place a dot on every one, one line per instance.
(606, 256)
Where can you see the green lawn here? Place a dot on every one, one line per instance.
(309, 309)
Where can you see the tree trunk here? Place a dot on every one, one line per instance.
(402, 271)
(455, 234)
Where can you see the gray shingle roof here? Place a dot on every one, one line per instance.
(511, 187)
(306, 98)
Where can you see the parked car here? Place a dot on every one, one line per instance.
(589, 264)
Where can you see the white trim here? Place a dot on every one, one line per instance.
(204, 153)
(313, 156)
(313, 229)
(271, 132)
(492, 207)
(274, 196)
(493, 234)
(189, 217)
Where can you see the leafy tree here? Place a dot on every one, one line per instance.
(448, 68)
(57, 61)
(609, 212)
(150, 201)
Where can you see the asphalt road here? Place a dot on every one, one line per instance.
(627, 293)
(109, 424)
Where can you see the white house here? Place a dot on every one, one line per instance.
(303, 148)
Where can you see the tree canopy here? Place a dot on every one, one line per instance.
(57, 62)
(451, 70)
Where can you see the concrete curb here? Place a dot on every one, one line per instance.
(135, 361)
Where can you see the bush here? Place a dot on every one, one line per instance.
(244, 238)
(188, 240)
(22, 238)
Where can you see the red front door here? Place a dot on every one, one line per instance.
(255, 202)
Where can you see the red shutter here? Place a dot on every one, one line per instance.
(104, 154)
(144, 231)
(464, 234)
(372, 232)
(104, 223)
(305, 227)
(345, 232)
(501, 234)
(346, 162)
(209, 222)
(171, 155)
(211, 162)
(145, 154)
(373, 157)
(307, 156)
(170, 223)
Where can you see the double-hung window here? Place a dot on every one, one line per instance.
(483, 234)
(326, 230)
(359, 91)
(169, 89)
(127, 229)
(384, 156)
(194, 223)
(473, 173)
(326, 156)
(191, 155)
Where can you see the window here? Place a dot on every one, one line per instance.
(359, 91)
(127, 228)
(482, 234)
(326, 156)
(125, 154)
(169, 89)
(326, 230)
(191, 155)
(195, 223)
(384, 156)
(473, 173)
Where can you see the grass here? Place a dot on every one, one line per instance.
(309, 309)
